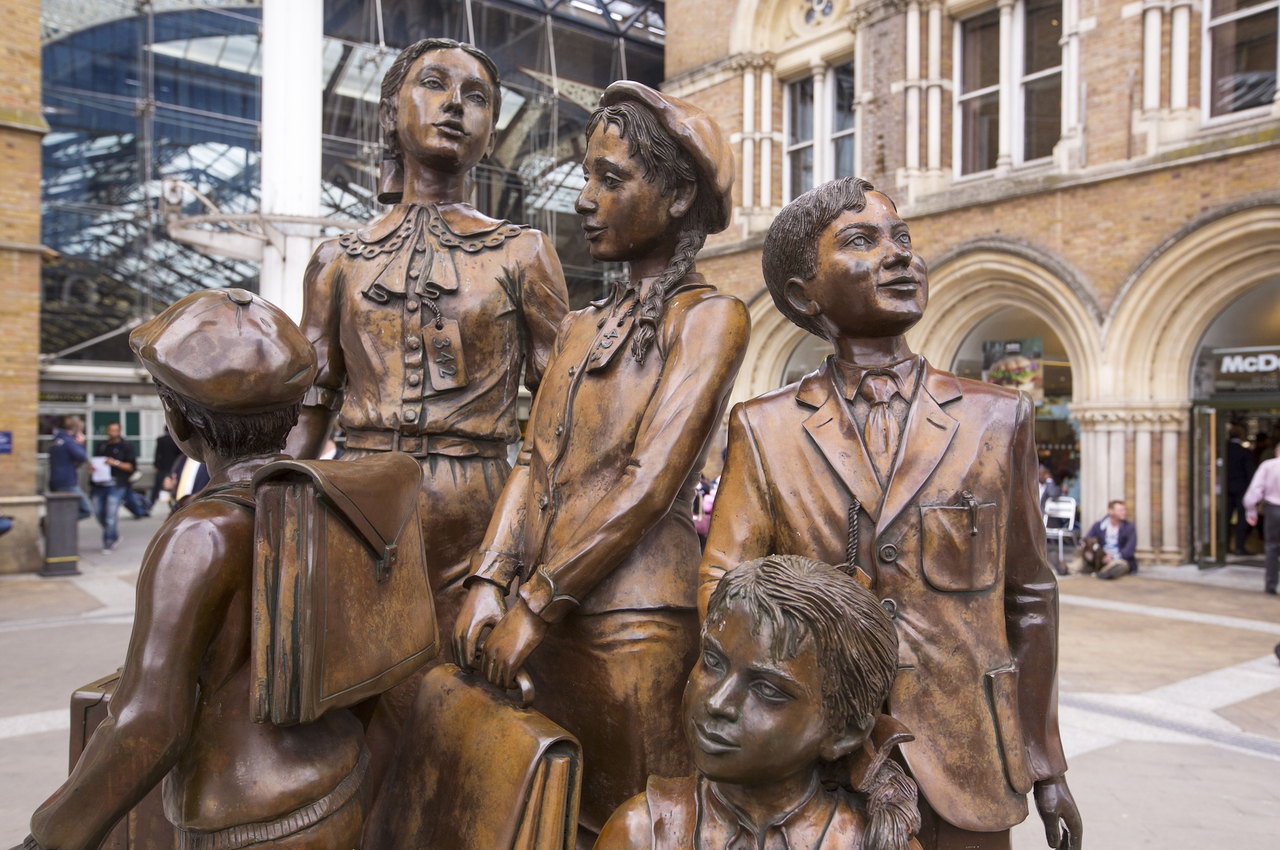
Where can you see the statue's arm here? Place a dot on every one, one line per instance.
(742, 518)
(182, 597)
(544, 301)
(320, 318)
(702, 361)
(1031, 605)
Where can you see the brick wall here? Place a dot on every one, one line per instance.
(697, 33)
(1104, 230)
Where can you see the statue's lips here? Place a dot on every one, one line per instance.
(711, 743)
(902, 284)
(451, 128)
(593, 230)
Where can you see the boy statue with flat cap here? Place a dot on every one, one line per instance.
(927, 484)
(231, 370)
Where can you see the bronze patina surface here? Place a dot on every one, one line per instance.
(925, 482)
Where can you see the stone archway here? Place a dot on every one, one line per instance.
(773, 338)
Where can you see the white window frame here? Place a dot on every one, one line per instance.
(823, 137)
(787, 147)
(1207, 118)
(1018, 112)
(960, 96)
(852, 132)
(1020, 94)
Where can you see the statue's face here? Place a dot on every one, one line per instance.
(445, 111)
(749, 718)
(869, 282)
(625, 216)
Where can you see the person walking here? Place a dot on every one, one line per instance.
(1264, 491)
(1240, 469)
(66, 454)
(1049, 488)
(121, 460)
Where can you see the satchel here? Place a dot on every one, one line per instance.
(342, 606)
(474, 770)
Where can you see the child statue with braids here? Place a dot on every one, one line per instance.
(797, 659)
(596, 520)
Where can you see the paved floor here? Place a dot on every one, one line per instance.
(1169, 696)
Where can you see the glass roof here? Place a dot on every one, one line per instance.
(118, 131)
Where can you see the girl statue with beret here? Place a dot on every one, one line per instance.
(595, 521)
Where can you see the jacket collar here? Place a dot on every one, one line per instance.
(927, 436)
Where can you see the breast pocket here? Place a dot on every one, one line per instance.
(958, 546)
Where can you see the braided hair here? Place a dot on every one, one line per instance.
(857, 646)
(666, 162)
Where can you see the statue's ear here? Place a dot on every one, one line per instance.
(685, 195)
(841, 742)
(793, 291)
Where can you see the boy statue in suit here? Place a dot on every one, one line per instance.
(927, 484)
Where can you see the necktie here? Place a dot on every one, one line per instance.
(881, 431)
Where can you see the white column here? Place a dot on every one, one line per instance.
(1115, 464)
(864, 96)
(1180, 55)
(292, 45)
(766, 143)
(1088, 462)
(1005, 158)
(1169, 544)
(1142, 486)
(748, 136)
(821, 117)
(934, 102)
(1152, 21)
(1070, 67)
(913, 88)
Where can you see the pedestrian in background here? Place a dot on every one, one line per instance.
(119, 458)
(1049, 488)
(1264, 491)
(167, 454)
(66, 454)
(1240, 469)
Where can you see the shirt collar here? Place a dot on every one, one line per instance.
(725, 827)
(849, 376)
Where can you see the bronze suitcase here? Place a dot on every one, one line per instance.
(145, 827)
(477, 771)
(342, 607)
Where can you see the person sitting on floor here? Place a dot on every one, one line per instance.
(797, 658)
(1115, 540)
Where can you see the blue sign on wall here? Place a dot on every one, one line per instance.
(6, 442)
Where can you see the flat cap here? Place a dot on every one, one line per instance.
(695, 131)
(228, 350)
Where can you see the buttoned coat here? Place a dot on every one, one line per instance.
(955, 548)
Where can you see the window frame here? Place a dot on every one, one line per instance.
(822, 136)
(959, 96)
(1018, 94)
(787, 148)
(1207, 23)
(1022, 78)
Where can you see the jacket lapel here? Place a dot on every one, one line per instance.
(929, 432)
(832, 429)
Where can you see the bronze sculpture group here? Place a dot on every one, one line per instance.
(753, 695)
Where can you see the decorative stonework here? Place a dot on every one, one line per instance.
(872, 12)
(1160, 417)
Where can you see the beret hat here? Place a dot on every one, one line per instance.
(695, 131)
(227, 350)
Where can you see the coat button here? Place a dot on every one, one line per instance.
(411, 305)
(559, 430)
(542, 503)
(411, 416)
(414, 380)
(572, 369)
(413, 343)
(889, 553)
(890, 607)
